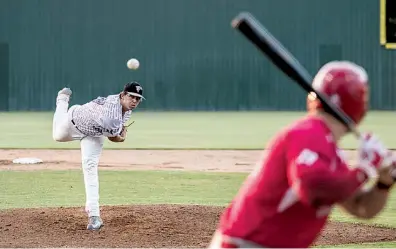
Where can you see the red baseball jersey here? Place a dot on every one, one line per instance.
(286, 201)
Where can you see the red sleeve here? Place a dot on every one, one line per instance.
(315, 178)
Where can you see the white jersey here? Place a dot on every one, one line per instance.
(101, 117)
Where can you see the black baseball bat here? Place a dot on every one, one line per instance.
(285, 61)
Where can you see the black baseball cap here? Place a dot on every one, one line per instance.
(134, 89)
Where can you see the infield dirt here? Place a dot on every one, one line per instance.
(143, 225)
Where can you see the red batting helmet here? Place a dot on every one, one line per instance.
(346, 85)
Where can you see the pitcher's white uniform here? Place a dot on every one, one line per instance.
(90, 123)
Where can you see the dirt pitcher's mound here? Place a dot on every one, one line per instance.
(142, 226)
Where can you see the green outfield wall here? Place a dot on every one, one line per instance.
(191, 58)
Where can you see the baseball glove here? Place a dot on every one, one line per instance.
(125, 129)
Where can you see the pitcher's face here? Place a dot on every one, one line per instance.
(129, 102)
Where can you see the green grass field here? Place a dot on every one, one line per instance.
(173, 130)
(180, 130)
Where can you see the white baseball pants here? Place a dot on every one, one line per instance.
(220, 241)
(63, 130)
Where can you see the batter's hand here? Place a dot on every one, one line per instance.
(375, 159)
(373, 152)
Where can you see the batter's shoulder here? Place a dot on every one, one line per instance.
(310, 131)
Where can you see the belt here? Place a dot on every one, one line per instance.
(74, 124)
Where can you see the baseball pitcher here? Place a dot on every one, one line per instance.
(91, 123)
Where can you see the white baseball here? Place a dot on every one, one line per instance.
(133, 64)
